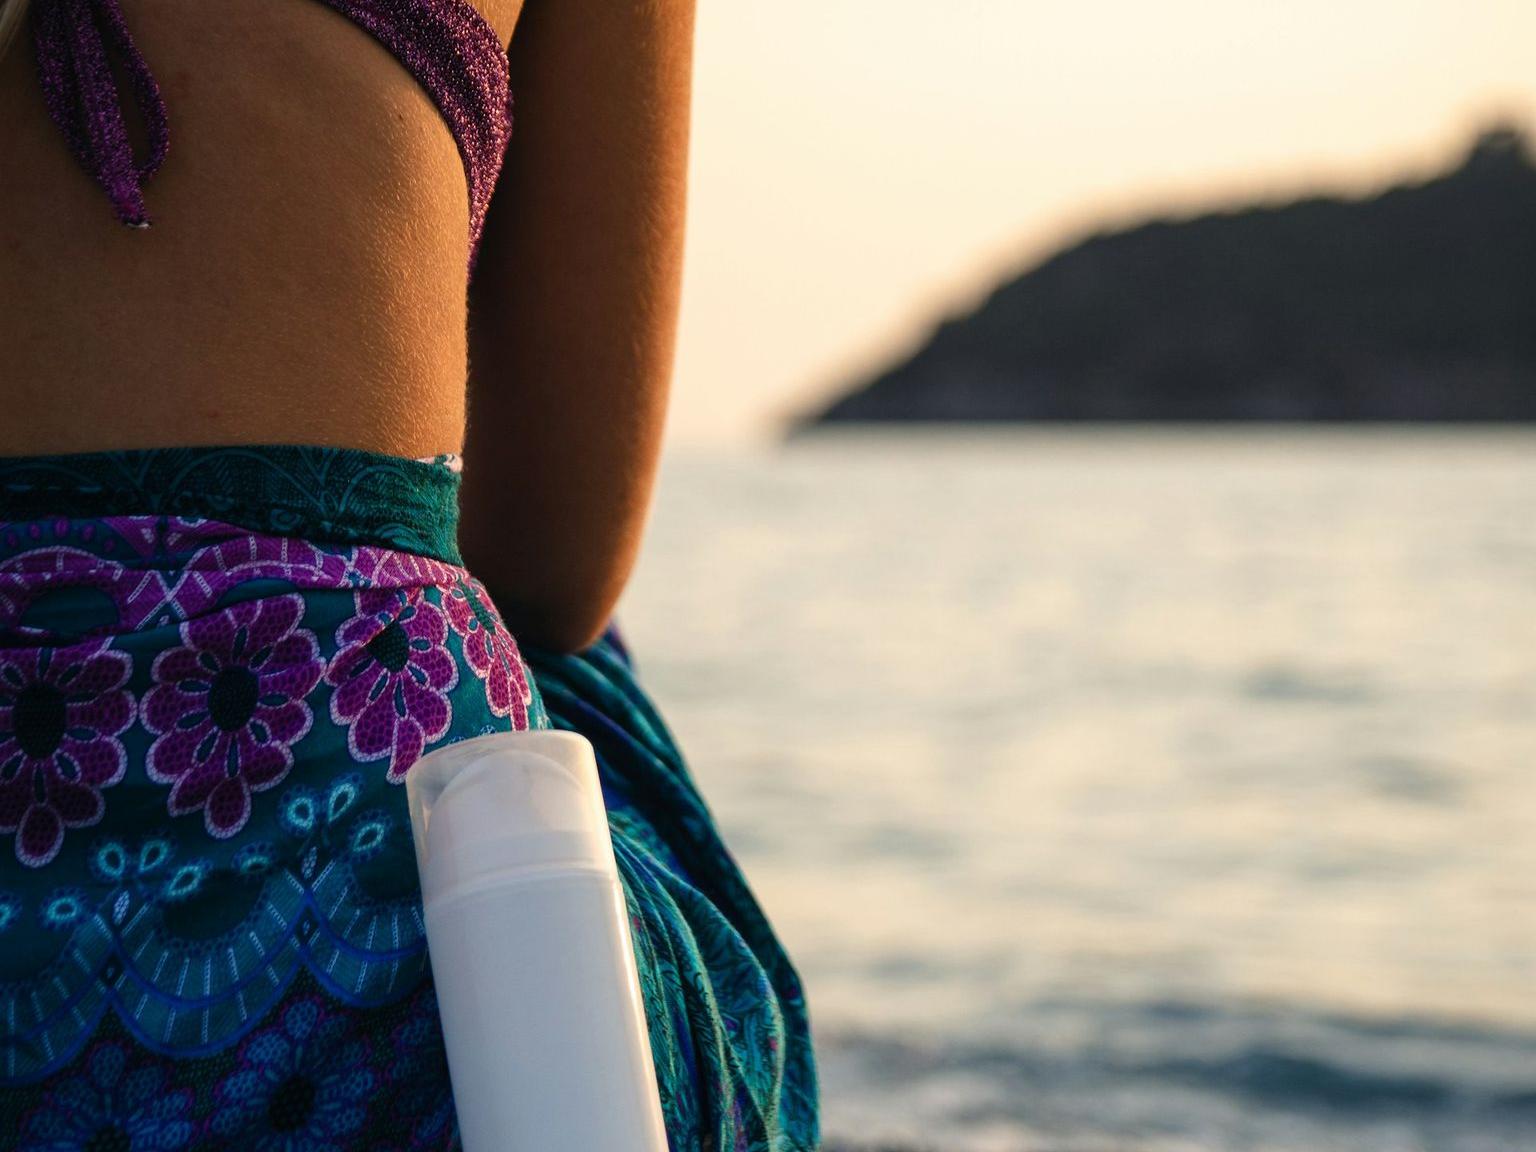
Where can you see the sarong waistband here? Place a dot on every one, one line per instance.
(320, 494)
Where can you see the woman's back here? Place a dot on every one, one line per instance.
(234, 612)
(304, 277)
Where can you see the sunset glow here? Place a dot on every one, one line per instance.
(862, 166)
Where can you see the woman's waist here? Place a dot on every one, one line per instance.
(111, 543)
(328, 496)
(66, 579)
(286, 556)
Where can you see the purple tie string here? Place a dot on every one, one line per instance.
(72, 39)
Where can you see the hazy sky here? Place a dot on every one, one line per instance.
(861, 166)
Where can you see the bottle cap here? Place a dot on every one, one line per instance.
(506, 804)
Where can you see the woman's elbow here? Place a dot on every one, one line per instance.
(564, 621)
(561, 636)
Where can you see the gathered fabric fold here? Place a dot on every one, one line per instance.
(74, 41)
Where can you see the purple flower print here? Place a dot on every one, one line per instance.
(61, 711)
(392, 674)
(227, 707)
(386, 568)
(132, 596)
(226, 558)
(490, 650)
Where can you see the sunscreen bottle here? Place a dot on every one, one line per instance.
(530, 948)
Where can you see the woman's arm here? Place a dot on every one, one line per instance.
(573, 311)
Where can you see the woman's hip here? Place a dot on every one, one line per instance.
(209, 699)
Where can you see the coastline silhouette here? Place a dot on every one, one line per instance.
(1412, 305)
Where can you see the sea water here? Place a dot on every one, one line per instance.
(1126, 790)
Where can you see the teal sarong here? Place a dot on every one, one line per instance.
(216, 668)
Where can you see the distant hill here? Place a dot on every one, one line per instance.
(1418, 304)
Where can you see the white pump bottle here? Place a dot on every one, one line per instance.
(530, 948)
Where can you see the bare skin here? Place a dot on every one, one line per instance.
(304, 280)
(575, 309)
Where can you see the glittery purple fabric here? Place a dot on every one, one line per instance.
(447, 45)
(457, 57)
(72, 39)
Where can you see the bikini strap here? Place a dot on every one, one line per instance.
(72, 40)
(448, 45)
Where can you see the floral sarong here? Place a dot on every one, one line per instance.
(216, 668)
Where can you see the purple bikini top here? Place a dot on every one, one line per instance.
(447, 45)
